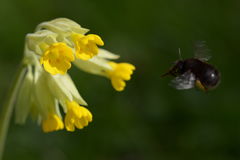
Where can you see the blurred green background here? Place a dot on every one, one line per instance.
(149, 120)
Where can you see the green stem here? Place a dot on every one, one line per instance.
(7, 108)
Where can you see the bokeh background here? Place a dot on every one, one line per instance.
(149, 120)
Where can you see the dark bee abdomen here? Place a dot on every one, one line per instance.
(204, 72)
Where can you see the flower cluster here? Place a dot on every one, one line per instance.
(49, 53)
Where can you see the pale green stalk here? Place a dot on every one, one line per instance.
(7, 108)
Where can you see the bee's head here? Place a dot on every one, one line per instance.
(179, 67)
(211, 78)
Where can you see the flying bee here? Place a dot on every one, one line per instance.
(195, 72)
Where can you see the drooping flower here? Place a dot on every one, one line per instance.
(57, 58)
(102, 65)
(120, 73)
(52, 123)
(77, 116)
(46, 87)
(86, 46)
(43, 85)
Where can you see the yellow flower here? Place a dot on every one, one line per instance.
(77, 116)
(57, 58)
(121, 72)
(86, 46)
(52, 123)
(118, 73)
(51, 49)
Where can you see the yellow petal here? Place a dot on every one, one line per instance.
(95, 38)
(52, 123)
(57, 58)
(120, 73)
(86, 46)
(77, 116)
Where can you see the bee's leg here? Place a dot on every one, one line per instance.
(165, 74)
(200, 86)
(172, 71)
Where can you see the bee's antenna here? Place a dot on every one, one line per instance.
(179, 53)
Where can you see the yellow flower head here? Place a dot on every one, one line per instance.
(57, 58)
(51, 49)
(86, 46)
(77, 116)
(121, 72)
(52, 123)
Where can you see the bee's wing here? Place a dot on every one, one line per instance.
(201, 51)
(184, 81)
